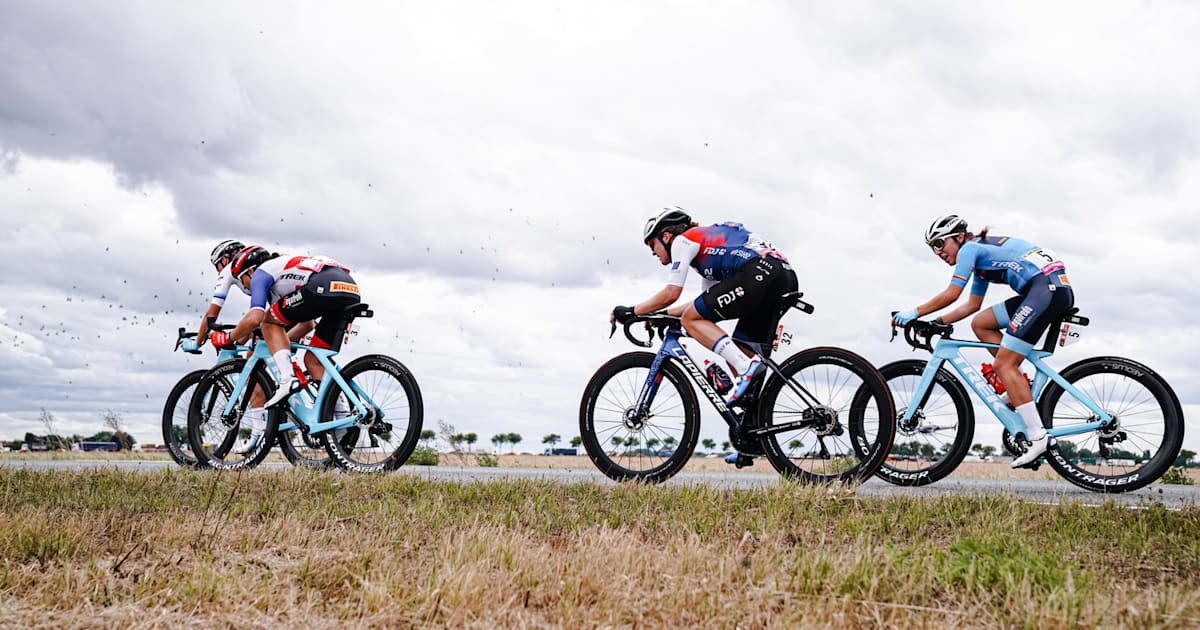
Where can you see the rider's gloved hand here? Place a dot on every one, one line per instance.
(623, 313)
(219, 338)
(904, 317)
(189, 345)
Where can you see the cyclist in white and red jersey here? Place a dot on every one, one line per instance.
(288, 290)
(743, 278)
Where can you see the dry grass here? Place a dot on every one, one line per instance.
(178, 548)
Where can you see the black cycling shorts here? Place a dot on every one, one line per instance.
(1025, 317)
(327, 292)
(751, 296)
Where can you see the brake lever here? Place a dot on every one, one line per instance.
(614, 329)
(894, 333)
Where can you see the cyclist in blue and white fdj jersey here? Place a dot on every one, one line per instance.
(1016, 324)
(743, 278)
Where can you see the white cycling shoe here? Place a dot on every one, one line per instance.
(284, 391)
(1035, 450)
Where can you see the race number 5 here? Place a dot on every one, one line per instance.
(1045, 260)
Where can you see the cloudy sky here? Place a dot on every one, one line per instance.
(485, 169)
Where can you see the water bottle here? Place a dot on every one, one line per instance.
(718, 377)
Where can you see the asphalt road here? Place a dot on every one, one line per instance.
(1171, 496)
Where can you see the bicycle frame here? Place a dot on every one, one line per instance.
(948, 351)
(304, 405)
(671, 348)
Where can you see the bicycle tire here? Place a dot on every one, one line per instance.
(627, 391)
(863, 453)
(1072, 467)
(212, 391)
(300, 450)
(945, 389)
(174, 415)
(344, 449)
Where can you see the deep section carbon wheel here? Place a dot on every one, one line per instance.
(628, 444)
(224, 441)
(937, 438)
(386, 436)
(174, 420)
(828, 416)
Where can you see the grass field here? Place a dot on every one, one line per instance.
(104, 548)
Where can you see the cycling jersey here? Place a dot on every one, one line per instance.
(281, 276)
(1003, 259)
(717, 251)
(225, 280)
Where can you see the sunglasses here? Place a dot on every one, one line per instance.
(939, 243)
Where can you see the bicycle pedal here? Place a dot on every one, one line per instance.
(741, 461)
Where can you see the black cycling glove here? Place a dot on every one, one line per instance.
(623, 313)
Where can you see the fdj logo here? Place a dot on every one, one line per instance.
(728, 298)
(714, 251)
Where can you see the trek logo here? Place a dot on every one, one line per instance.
(291, 276)
(985, 391)
(1019, 318)
(726, 299)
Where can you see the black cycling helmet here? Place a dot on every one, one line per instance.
(227, 247)
(249, 259)
(667, 218)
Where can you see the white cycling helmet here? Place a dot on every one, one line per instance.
(943, 226)
(665, 219)
(228, 247)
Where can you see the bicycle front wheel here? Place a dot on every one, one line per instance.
(826, 416)
(384, 439)
(174, 420)
(626, 446)
(226, 440)
(931, 445)
(1144, 439)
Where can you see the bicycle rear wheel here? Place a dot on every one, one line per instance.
(650, 449)
(384, 439)
(845, 436)
(1141, 445)
(216, 438)
(937, 439)
(174, 420)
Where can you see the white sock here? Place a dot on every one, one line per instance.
(283, 363)
(728, 350)
(341, 408)
(1034, 430)
(258, 420)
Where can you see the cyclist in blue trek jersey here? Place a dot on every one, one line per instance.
(743, 278)
(1043, 294)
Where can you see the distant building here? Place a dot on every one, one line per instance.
(99, 446)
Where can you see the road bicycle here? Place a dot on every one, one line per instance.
(1118, 425)
(823, 414)
(366, 415)
(297, 448)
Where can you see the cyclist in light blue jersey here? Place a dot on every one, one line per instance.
(1043, 294)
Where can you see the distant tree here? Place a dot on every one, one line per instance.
(977, 448)
(514, 439)
(631, 442)
(427, 435)
(551, 439)
(470, 439)
(987, 451)
(945, 448)
(651, 443)
(928, 452)
(724, 446)
(15, 445)
(499, 439)
(1068, 449)
(1185, 458)
(47, 420)
(617, 442)
(576, 441)
(794, 446)
(709, 444)
(669, 441)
